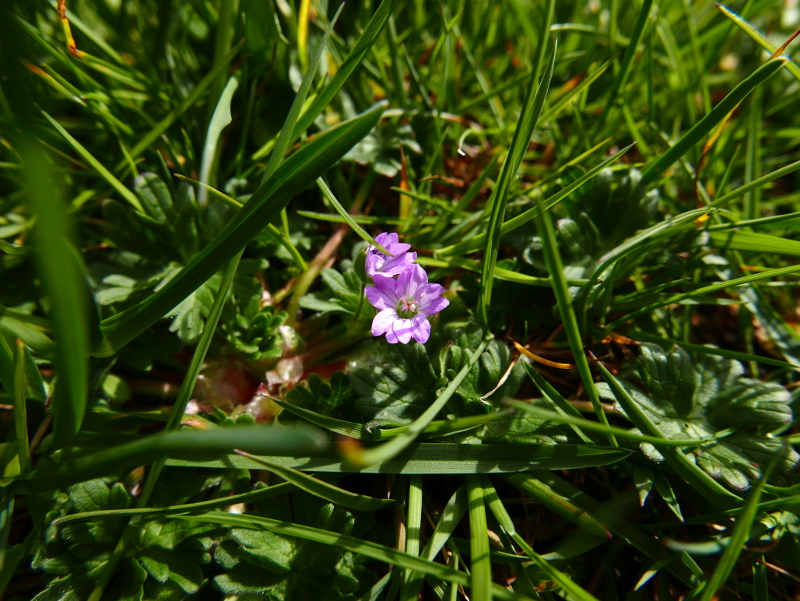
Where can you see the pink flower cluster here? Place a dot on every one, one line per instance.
(404, 304)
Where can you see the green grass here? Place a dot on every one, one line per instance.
(196, 406)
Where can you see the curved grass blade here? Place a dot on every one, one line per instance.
(349, 543)
(63, 281)
(477, 242)
(500, 273)
(532, 108)
(321, 489)
(152, 512)
(552, 258)
(565, 582)
(771, 273)
(435, 458)
(256, 439)
(756, 35)
(263, 207)
(702, 482)
(219, 121)
(481, 564)
(707, 123)
(386, 451)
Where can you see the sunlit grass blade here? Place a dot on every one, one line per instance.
(262, 440)
(326, 191)
(264, 206)
(62, 276)
(479, 241)
(20, 411)
(413, 534)
(707, 123)
(702, 482)
(765, 275)
(366, 457)
(755, 242)
(350, 543)
(552, 257)
(498, 509)
(219, 121)
(450, 518)
(532, 108)
(435, 458)
(756, 35)
(499, 273)
(739, 537)
(481, 562)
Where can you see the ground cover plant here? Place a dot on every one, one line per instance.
(399, 300)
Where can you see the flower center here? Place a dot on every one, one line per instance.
(406, 308)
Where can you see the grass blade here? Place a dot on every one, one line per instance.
(532, 108)
(481, 565)
(496, 505)
(739, 538)
(707, 123)
(256, 439)
(219, 121)
(770, 273)
(20, 411)
(552, 258)
(321, 489)
(118, 186)
(756, 35)
(64, 283)
(437, 458)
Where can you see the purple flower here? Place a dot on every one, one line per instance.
(405, 305)
(399, 257)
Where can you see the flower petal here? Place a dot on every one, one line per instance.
(422, 329)
(402, 329)
(432, 305)
(383, 322)
(411, 278)
(379, 299)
